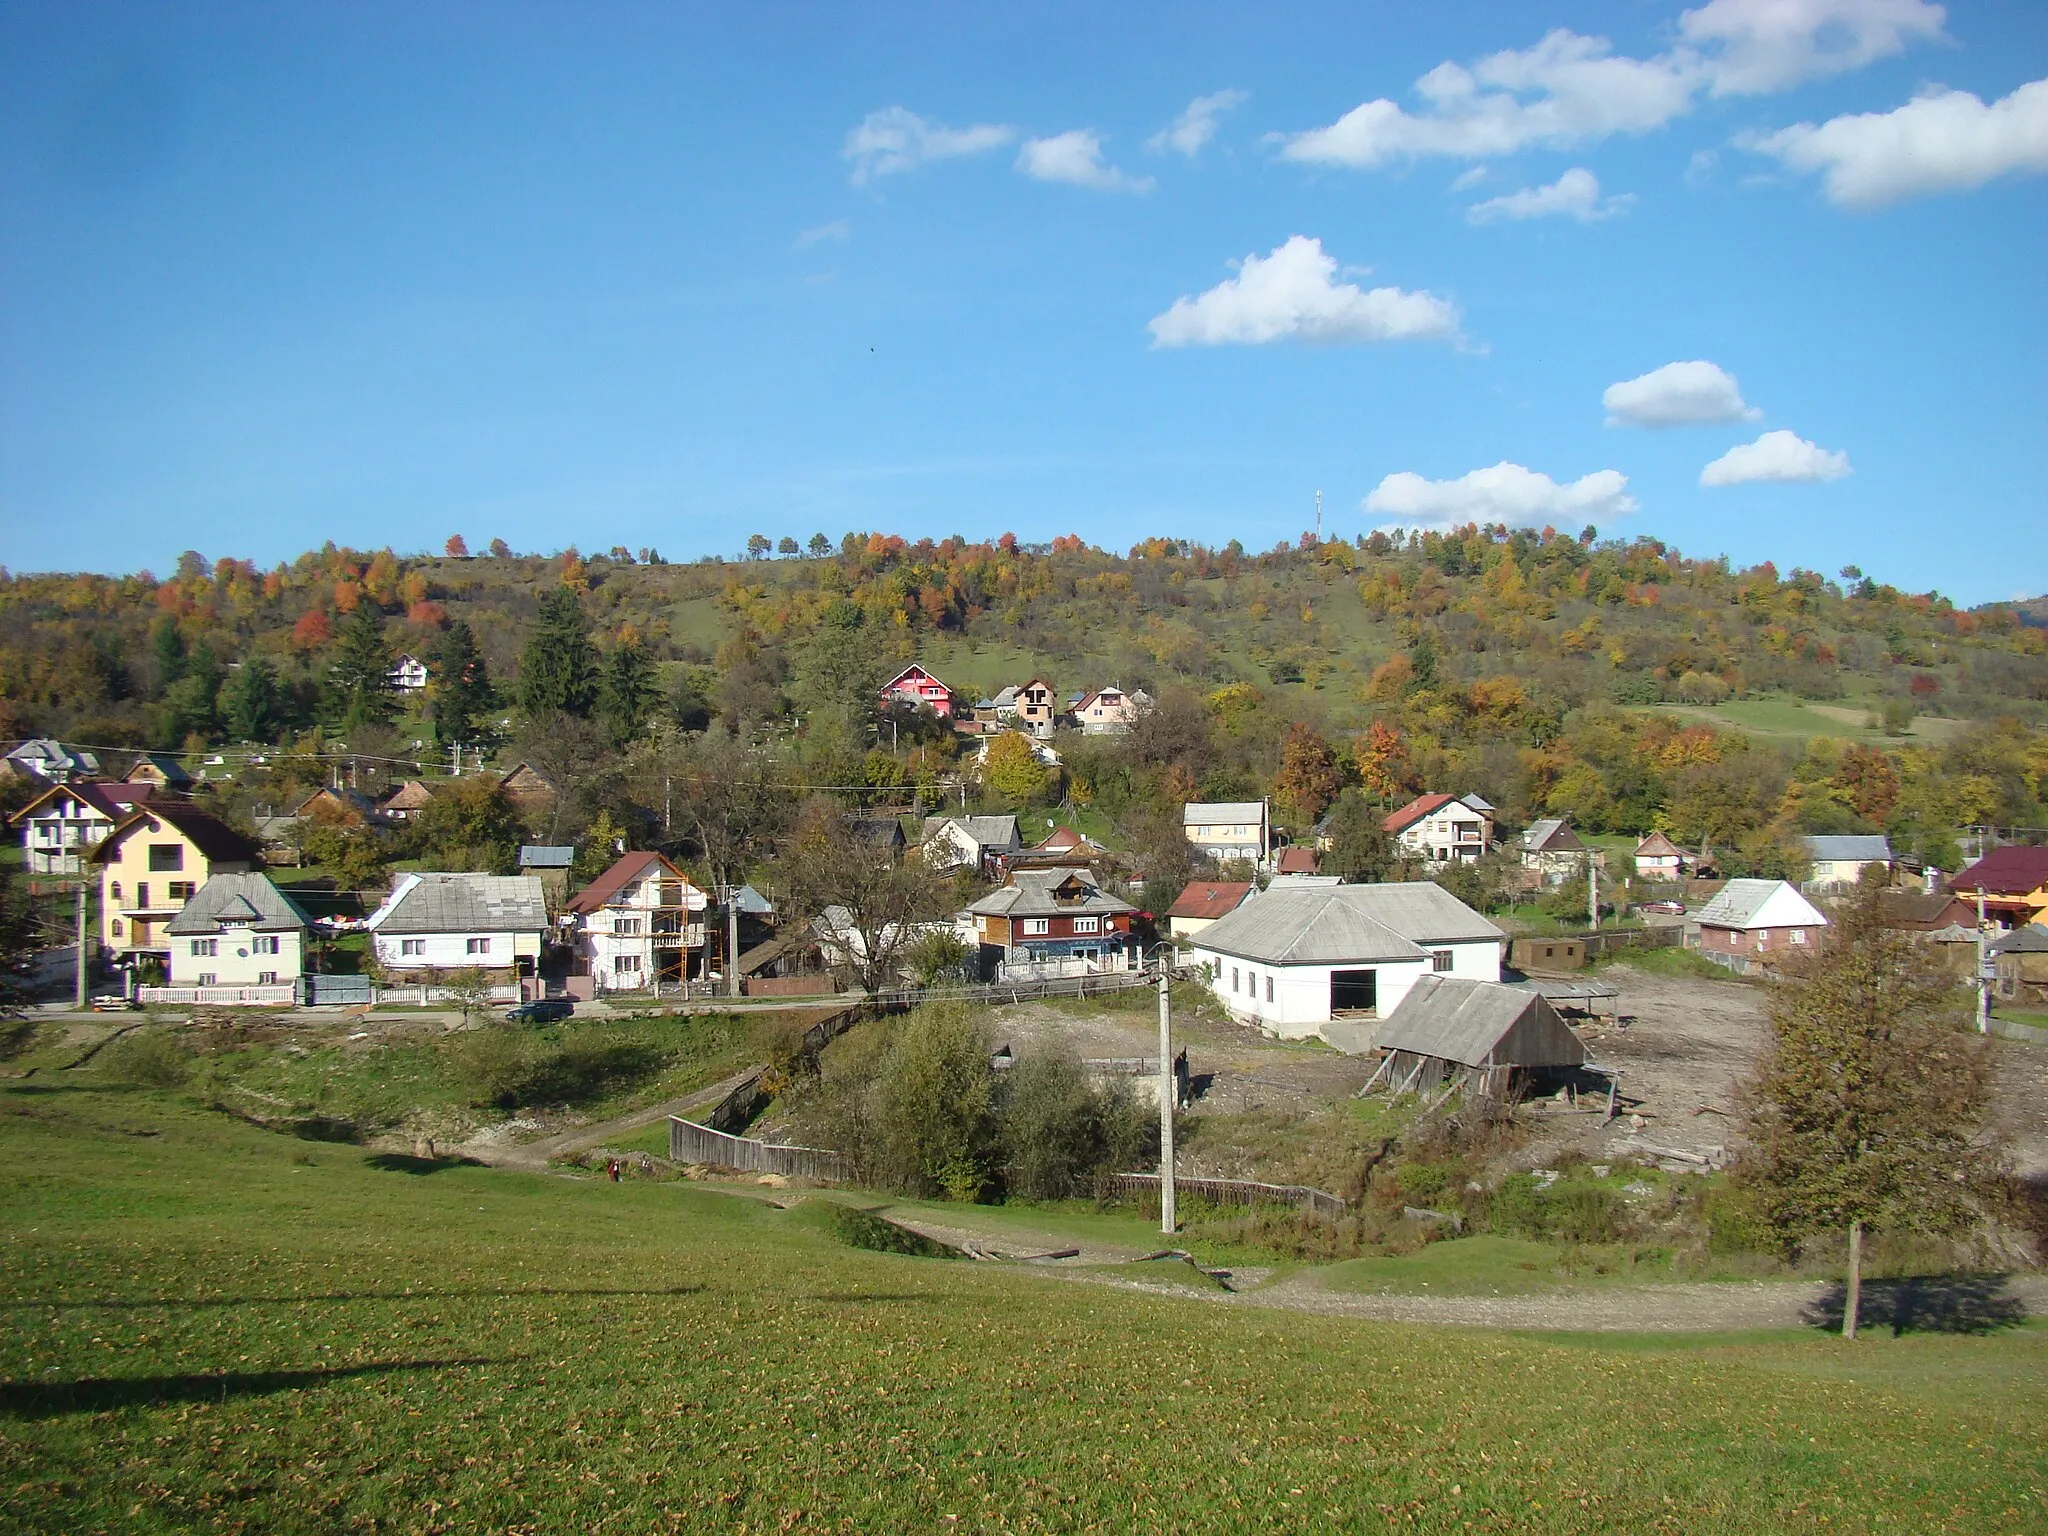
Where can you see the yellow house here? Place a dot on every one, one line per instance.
(152, 863)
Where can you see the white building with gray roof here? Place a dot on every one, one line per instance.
(1293, 958)
(237, 930)
(452, 922)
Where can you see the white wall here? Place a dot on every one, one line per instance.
(1301, 993)
(235, 961)
(450, 951)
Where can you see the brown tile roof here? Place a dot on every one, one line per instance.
(1415, 810)
(628, 868)
(1210, 899)
(1296, 861)
(216, 841)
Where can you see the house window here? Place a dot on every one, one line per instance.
(181, 890)
(412, 947)
(265, 944)
(1269, 988)
(1440, 959)
(626, 926)
(1234, 979)
(623, 964)
(1087, 924)
(142, 894)
(1037, 925)
(1354, 991)
(114, 891)
(206, 947)
(1798, 935)
(266, 978)
(166, 856)
(209, 979)
(116, 929)
(477, 946)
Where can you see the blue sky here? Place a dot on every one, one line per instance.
(668, 275)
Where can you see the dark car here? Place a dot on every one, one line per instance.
(543, 1010)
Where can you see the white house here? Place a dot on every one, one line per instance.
(238, 931)
(1552, 850)
(1229, 829)
(1840, 861)
(639, 924)
(979, 843)
(1658, 858)
(1442, 828)
(1293, 958)
(1041, 750)
(453, 922)
(66, 821)
(408, 675)
(42, 758)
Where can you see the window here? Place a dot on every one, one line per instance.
(624, 964)
(1087, 924)
(114, 891)
(1354, 991)
(412, 947)
(180, 890)
(1798, 935)
(209, 979)
(1269, 987)
(166, 856)
(206, 947)
(1440, 959)
(265, 944)
(477, 946)
(117, 928)
(142, 894)
(1036, 925)
(626, 927)
(266, 978)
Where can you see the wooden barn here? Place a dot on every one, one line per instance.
(1473, 1033)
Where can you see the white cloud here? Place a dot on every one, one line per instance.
(1293, 294)
(1194, 128)
(1574, 195)
(1944, 141)
(1075, 157)
(1571, 89)
(897, 139)
(838, 229)
(1677, 395)
(1780, 456)
(1760, 46)
(1469, 179)
(1506, 493)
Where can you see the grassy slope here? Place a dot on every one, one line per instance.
(1784, 719)
(214, 1327)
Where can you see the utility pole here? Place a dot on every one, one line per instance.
(79, 999)
(1166, 1100)
(1319, 517)
(1592, 891)
(1983, 974)
(732, 941)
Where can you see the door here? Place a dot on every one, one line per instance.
(1354, 992)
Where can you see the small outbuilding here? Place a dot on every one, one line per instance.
(1448, 1028)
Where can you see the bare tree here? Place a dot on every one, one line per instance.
(878, 905)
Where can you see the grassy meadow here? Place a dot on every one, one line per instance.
(214, 1327)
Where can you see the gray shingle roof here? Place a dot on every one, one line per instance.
(1848, 849)
(1029, 894)
(439, 903)
(986, 831)
(1552, 834)
(249, 898)
(1338, 925)
(1222, 813)
(2027, 939)
(1479, 1024)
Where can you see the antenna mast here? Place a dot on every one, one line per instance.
(1319, 517)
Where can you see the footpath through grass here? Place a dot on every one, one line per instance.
(213, 1327)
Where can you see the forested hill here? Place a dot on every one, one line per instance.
(1482, 654)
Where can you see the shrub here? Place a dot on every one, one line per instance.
(153, 1059)
(933, 1106)
(1059, 1131)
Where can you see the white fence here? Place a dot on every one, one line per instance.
(220, 997)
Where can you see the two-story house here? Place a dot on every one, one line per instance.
(1053, 920)
(1551, 850)
(152, 863)
(1442, 828)
(983, 844)
(917, 688)
(1229, 829)
(1752, 924)
(453, 922)
(67, 821)
(1658, 858)
(50, 762)
(1109, 711)
(639, 924)
(238, 930)
(408, 675)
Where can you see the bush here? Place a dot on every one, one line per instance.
(153, 1059)
(1059, 1131)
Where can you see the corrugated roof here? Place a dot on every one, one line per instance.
(1479, 1024)
(249, 898)
(1553, 834)
(1222, 812)
(2009, 871)
(985, 831)
(545, 856)
(1296, 861)
(2027, 939)
(1415, 810)
(1345, 924)
(464, 903)
(1848, 848)
(1029, 894)
(1759, 904)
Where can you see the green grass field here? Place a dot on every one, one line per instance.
(1783, 719)
(214, 1327)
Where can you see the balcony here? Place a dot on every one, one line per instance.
(691, 937)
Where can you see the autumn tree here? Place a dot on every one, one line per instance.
(1013, 773)
(1866, 1108)
(882, 903)
(558, 669)
(457, 547)
(1384, 769)
(1308, 779)
(1360, 851)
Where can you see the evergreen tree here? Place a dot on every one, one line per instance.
(627, 693)
(190, 702)
(558, 670)
(167, 646)
(359, 681)
(1361, 852)
(249, 703)
(458, 685)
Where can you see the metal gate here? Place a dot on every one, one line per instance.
(335, 991)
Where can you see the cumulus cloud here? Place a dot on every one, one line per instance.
(1944, 141)
(1570, 89)
(1075, 157)
(1293, 294)
(838, 229)
(1780, 456)
(1677, 395)
(897, 139)
(1574, 195)
(1506, 493)
(1194, 128)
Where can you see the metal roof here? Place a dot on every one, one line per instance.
(438, 903)
(249, 898)
(1479, 1024)
(1222, 812)
(1345, 924)
(982, 831)
(1759, 904)
(1029, 894)
(2027, 939)
(545, 856)
(1848, 849)
(1543, 836)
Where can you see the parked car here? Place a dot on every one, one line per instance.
(543, 1010)
(1667, 908)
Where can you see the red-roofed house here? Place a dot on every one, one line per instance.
(1442, 828)
(1202, 903)
(2014, 881)
(916, 687)
(638, 923)
(1659, 858)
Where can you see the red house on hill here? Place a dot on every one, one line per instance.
(915, 686)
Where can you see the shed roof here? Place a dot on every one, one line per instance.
(463, 903)
(248, 898)
(1480, 1024)
(1751, 904)
(1297, 860)
(546, 856)
(1345, 924)
(2027, 939)
(1848, 849)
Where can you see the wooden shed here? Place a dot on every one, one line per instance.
(1449, 1030)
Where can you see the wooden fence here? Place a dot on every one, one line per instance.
(689, 1142)
(1145, 1186)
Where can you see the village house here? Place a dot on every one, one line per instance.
(1053, 922)
(1202, 903)
(2021, 961)
(1032, 706)
(1042, 751)
(916, 688)
(452, 922)
(49, 762)
(1658, 858)
(1229, 829)
(152, 863)
(1294, 957)
(406, 801)
(161, 770)
(339, 806)
(983, 844)
(1940, 920)
(68, 820)
(2013, 881)
(1551, 851)
(1442, 828)
(238, 930)
(1108, 711)
(531, 792)
(408, 675)
(1298, 860)
(1488, 1035)
(1753, 923)
(883, 834)
(640, 924)
(1837, 862)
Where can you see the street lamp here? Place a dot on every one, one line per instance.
(1167, 1092)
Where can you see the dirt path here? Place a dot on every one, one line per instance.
(488, 1145)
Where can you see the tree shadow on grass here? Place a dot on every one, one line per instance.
(418, 1167)
(53, 1399)
(1925, 1304)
